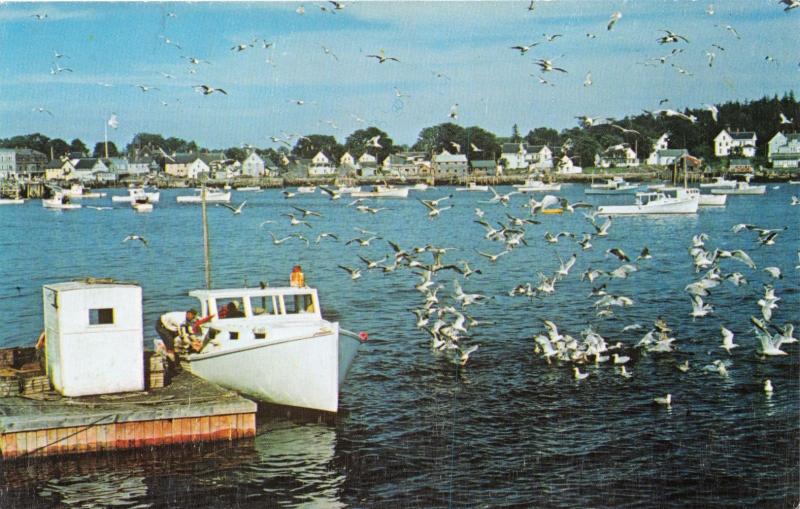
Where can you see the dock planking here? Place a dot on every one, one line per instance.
(188, 410)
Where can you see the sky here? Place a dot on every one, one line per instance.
(450, 53)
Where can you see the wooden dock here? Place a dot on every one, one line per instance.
(188, 410)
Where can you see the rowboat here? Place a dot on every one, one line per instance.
(211, 197)
(273, 344)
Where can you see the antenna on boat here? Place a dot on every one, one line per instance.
(206, 253)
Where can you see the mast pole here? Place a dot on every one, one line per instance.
(206, 252)
(105, 138)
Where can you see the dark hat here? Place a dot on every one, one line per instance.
(193, 311)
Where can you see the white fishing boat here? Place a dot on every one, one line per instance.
(420, 186)
(77, 192)
(533, 185)
(248, 188)
(794, 182)
(742, 187)
(307, 189)
(348, 189)
(59, 202)
(278, 349)
(704, 200)
(12, 201)
(473, 186)
(211, 197)
(142, 205)
(686, 201)
(382, 191)
(138, 193)
(720, 182)
(616, 185)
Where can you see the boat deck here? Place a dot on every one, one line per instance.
(188, 410)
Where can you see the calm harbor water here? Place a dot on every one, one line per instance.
(415, 430)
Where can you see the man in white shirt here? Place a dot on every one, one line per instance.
(169, 327)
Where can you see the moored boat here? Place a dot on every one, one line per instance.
(420, 186)
(59, 202)
(307, 189)
(273, 345)
(720, 182)
(12, 201)
(741, 188)
(137, 193)
(686, 201)
(142, 205)
(77, 192)
(533, 185)
(248, 188)
(211, 197)
(704, 200)
(616, 185)
(382, 191)
(473, 186)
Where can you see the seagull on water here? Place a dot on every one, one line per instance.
(576, 373)
(666, 400)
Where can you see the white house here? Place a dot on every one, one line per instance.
(59, 169)
(186, 166)
(528, 157)
(566, 166)
(784, 150)
(347, 159)
(662, 143)
(253, 165)
(742, 143)
(88, 168)
(618, 156)
(320, 165)
(666, 157)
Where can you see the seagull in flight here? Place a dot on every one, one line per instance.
(207, 90)
(713, 110)
(381, 56)
(354, 273)
(328, 51)
(671, 37)
(236, 210)
(147, 88)
(547, 65)
(39, 17)
(784, 119)
(43, 110)
(136, 237)
(613, 20)
(522, 48)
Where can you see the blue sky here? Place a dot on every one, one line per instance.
(449, 52)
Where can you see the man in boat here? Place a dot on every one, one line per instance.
(175, 324)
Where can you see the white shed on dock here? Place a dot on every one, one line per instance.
(94, 337)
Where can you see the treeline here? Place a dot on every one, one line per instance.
(763, 116)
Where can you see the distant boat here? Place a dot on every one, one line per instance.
(720, 182)
(279, 349)
(248, 188)
(77, 192)
(616, 185)
(704, 200)
(741, 188)
(307, 189)
(211, 197)
(533, 185)
(473, 186)
(11, 201)
(794, 182)
(686, 201)
(137, 193)
(382, 191)
(142, 205)
(59, 202)
(420, 186)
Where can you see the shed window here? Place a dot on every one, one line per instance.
(102, 316)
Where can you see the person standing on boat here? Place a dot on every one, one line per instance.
(173, 325)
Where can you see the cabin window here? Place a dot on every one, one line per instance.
(101, 316)
(299, 304)
(266, 305)
(227, 309)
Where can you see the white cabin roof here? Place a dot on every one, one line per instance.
(68, 286)
(228, 293)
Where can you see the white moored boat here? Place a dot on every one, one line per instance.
(382, 191)
(533, 185)
(211, 197)
(248, 188)
(686, 201)
(59, 202)
(279, 350)
(704, 200)
(142, 205)
(720, 182)
(307, 189)
(137, 193)
(473, 186)
(741, 188)
(420, 186)
(11, 201)
(77, 192)
(616, 185)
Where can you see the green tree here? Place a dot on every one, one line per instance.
(484, 141)
(100, 149)
(515, 136)
(360, 141)
(77, 145)
(543, 136)
(236, 153)
(57, 147)
(308, 146)
(442, 137)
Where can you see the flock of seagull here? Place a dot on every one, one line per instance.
(445, 310)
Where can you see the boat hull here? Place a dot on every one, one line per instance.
(303, 372)
(57, 205)
(307, 189)
(662, 207)
(713, 200)
(399, 192)
(210, 198)
(151, 197)
(740, 190)
(11, 201)
(143, 207)
(476, 187)
(599, 190)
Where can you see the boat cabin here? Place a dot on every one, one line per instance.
(248, 313)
